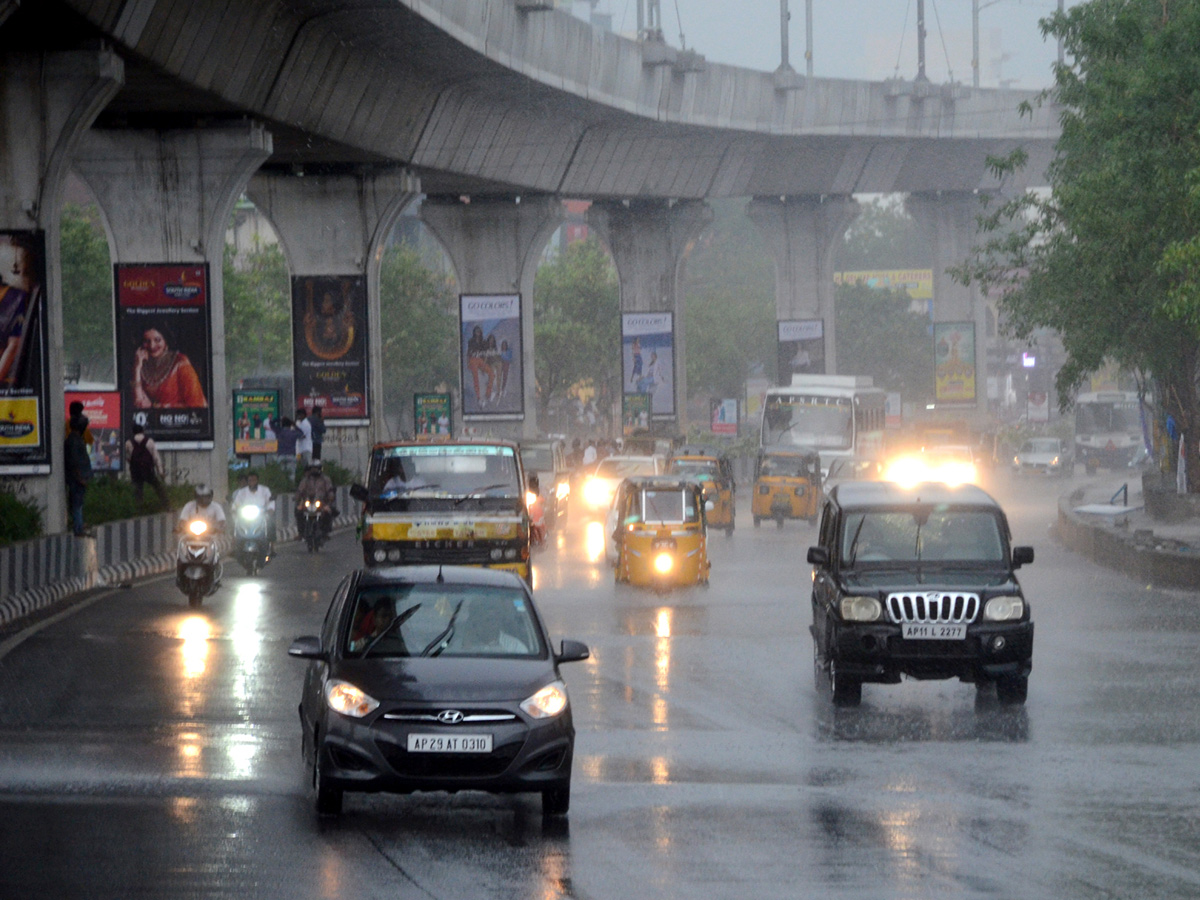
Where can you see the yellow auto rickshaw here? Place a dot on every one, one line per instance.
(787, 485)
(660, 535)
(714, 470)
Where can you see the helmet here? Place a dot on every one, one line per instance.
(204, 494)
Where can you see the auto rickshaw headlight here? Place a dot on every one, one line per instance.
(663, 562)
(860, 609)
(800, 491)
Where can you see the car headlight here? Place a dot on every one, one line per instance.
(249, 513)
(547, 703)
(345, 698)
(1003, 609)
(860, 609)
(597, 492)
(562, 489)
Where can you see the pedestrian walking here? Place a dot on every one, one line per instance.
(77, 470)
(304, 444)
(145, 466)
(317, 423)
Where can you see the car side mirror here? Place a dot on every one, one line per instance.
(1022, 556)
(572, 651)
(359, 493)
(818, 556)
(307, 647)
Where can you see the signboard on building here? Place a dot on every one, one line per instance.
(491, 356)
(103, 411)
(648, 359)
(256, 415)
(329, 347)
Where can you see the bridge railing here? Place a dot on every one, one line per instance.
(36, 574)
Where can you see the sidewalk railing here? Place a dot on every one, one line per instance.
(35, 574)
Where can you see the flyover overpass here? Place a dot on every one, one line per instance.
(335, 114)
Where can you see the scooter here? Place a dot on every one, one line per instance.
(311, 516)
(197, 562)
(251, 538)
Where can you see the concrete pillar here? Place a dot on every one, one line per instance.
(167, 197)
(948, 221)
(47, 103)
(649, 241)
(339, 225)
(494, 244)
(803, 234)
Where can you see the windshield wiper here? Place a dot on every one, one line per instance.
(442, 639)
(396, 623)
(479, 490)
(854, 542)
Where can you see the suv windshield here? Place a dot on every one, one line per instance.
(929, 535)
(538, 459)
(442, 620)
(444, 476)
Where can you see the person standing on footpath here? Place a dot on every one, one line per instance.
(77, 470)
(145, 466)
(304, 445)
(317, 423)
(287, 437)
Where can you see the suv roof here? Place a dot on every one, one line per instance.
(852, 494)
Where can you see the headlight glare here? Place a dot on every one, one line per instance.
(250, 513)
(345, 698)
(198, 527)
(860, 609)
(1003, 609)
(547, 703)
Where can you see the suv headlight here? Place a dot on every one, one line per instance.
(860, 609)
(1003, 609)
(550, 701)
(345, 698)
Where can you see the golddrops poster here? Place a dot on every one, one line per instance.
(24, 380)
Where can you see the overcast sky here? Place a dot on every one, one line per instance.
(864, 39)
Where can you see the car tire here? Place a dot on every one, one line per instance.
(1011, 690)
(328, 798)
(846, 692)
(556, 801)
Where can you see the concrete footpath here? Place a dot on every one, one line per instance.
(1112, 527)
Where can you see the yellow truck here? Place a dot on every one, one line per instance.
(452, 503)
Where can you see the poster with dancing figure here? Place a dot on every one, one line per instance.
(491, 361)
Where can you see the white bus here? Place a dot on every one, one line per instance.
(839, 416)
(1108, 429)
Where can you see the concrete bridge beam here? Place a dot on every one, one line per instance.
(47, 103)
(494, 244)
(803, 234)
(167, 197)
(948, 219)
(649, 241)
(339, 225)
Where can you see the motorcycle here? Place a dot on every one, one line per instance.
(312, 516)
(198, 562)
(251, 538)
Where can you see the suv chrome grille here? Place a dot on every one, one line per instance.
(932, 607)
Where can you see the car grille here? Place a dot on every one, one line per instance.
(932, 606)
(449, 765)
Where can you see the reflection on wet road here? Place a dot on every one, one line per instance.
(151, 750)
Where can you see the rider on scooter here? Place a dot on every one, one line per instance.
(202, 507)
(255, 494)
(315, 485)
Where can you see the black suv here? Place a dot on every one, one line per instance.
(918, 582)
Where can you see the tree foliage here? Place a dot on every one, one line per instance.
(879, 335)
(1105, 258)
(258, 313)
(730, 316)
(883, 236)
(87, 286)
(577, 326)
(420, 329)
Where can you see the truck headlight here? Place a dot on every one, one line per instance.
(1003, 609)
(860, 609)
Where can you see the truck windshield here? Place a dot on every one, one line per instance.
(824, 423)
(440, 476)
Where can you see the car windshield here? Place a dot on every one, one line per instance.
(434, 476)
(624, 468)
(442, 620)
(538, 459)
(1041, 445)
(925, 534)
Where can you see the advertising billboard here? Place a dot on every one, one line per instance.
(255, 421)
(491, 356)
(801, 348)
(635, 414)
(164, 351)
(648, 359)
(329, 346)
(431, 415)
(103, 410)
(24, 381)
(723, 416)
(954, 362)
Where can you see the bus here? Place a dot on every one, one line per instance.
(839, 416)
(1108, 429)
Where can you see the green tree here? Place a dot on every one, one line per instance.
(420, 329)
(1103, 258)
(878, 334)
(883, 236)
(577, 326)
(87, 285)
(258, 313)
(730, 317)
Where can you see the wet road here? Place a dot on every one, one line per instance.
(149, 751)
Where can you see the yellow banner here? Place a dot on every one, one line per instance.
(19, 422)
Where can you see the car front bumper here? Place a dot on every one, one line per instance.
(876, 652)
